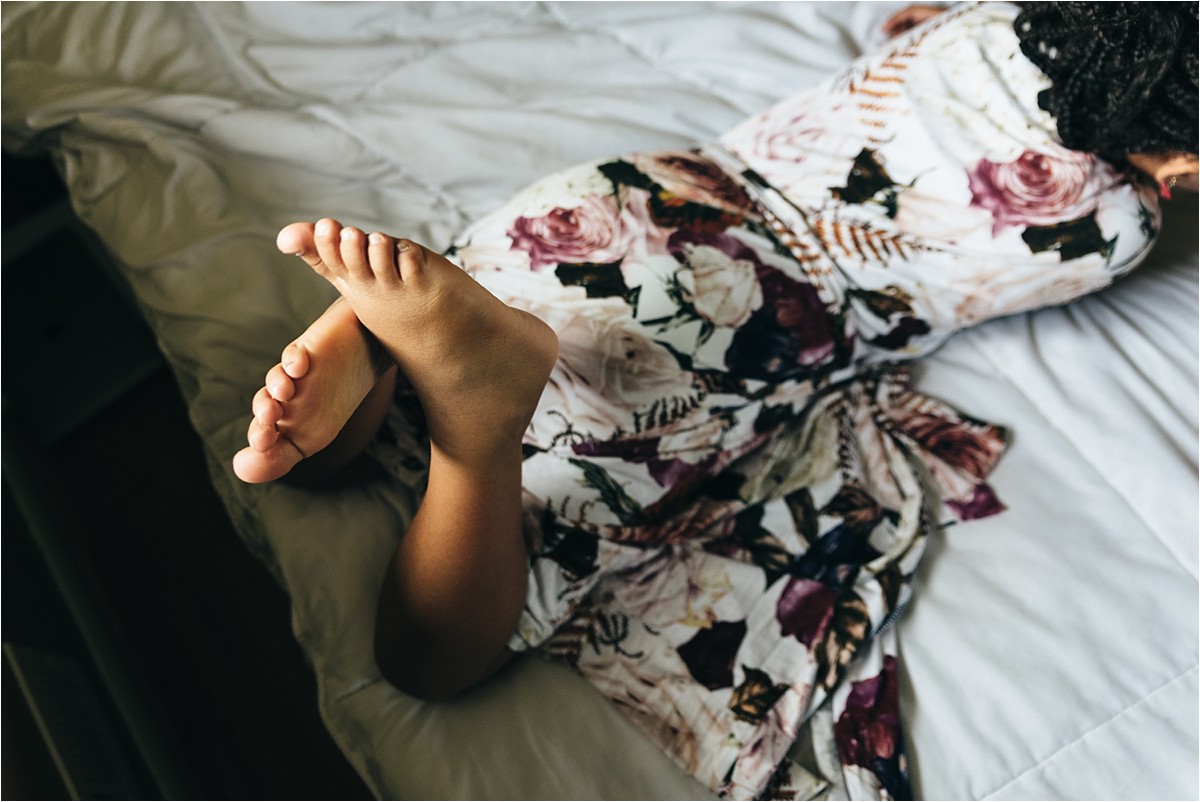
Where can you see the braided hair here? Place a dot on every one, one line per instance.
(1123, 75)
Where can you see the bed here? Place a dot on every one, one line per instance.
(1049, 652)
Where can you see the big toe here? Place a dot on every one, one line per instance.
(256, 467)
(296, 239)
(294, 361)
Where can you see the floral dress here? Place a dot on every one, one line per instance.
(728, 481)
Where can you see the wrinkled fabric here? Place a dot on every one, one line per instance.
(728, 481)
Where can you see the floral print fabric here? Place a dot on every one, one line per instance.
(728, 480)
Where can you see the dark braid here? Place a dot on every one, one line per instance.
(1123, 75)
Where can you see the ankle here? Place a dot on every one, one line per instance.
(477, 456)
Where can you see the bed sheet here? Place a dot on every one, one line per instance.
(1049, 652)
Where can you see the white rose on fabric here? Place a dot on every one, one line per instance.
(725, 290)
(606, 371)
(679, 587)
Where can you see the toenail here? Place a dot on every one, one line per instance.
(347, 233)
(376, 238)
(403, 246)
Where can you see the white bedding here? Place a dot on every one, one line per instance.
(1050, 652)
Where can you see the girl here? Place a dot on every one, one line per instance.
(670, 438)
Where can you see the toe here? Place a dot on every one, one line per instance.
(327, 236)
(266, 409)
(299, 239)
(411, 258)
(279, 384)
(260, 437)
(354, 253)
(294, 361)
(266, 466)
(381, 253)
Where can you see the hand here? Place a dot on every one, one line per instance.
(908, 18)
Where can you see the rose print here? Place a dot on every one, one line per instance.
(1038, 188)
(690, 178)
(787, 328)
(971, 449)
(589, 232)
(868, 731)
(726, 290)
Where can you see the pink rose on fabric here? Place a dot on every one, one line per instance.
(589, 232)
(1037, 189)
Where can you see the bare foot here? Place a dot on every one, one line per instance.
(477, 365)
(319, 385)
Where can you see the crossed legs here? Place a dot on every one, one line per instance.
(456, 584)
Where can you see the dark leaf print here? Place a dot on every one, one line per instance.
(685, 361)
(868, 181)
(611, 494)
(621, 172)
(838, 554)
(755, 697)
(804, 513)
(886, 302)
(670, 211)
(575, 550)
(725, 486)
(1072, 240)
(772, 417)
(891, 582)
(709, 655)
(905, 330)
(632, 297)
(857, 509)
(599, 280)
(763, 548)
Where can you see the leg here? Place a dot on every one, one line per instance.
(456, 584)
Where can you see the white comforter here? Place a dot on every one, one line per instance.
(1050, 651)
